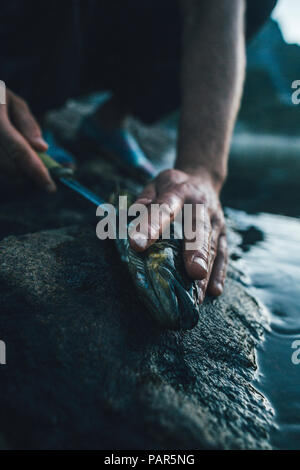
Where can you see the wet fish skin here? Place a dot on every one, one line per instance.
(171, 298)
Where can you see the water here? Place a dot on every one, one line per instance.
(272, 260)
(263, 176)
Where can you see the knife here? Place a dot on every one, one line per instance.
(66, 176)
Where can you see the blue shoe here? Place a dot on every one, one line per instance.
(58, 153)
(121, 144)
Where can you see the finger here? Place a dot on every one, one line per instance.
(23, 156)
(7, 166)
(164, 209)
(26, 124)
(196, 259)
(204, 283)
(218, 275)
(147, 195)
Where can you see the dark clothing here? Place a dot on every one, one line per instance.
(55, 49)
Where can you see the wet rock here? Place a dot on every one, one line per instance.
(86, 368)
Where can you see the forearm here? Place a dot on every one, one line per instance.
(213, 66)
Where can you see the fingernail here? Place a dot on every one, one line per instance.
(41, 141)
(219, 287)
(50, 188)
(140, 240)
(201, 263)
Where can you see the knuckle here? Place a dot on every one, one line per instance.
(223, 242)
(203, 253)
(212, 251)
(218, 220)
(180, 188)
(200, 195)
(185, 189)
(166, 207)
(166, 176)
(206, 226)
(169, 173)
(170, 177)
(223, 254)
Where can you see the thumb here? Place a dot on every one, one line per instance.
(26, 124)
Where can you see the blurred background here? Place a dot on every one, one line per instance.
(263, 185)
(267, 137)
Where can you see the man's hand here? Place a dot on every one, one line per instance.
(207, 262)
(213, 43)
(20, 137)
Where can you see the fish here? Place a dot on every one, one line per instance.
(162, 284)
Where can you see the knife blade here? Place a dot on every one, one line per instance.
(65, 176)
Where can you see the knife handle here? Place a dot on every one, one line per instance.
(55, 169)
